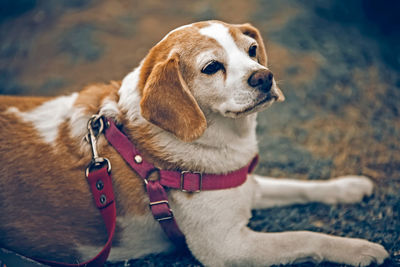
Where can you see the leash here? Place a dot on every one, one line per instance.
(98, 175)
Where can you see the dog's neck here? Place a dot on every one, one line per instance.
(226, 145)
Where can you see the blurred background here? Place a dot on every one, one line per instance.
(337, 62)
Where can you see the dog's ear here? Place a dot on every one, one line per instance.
(168, 103)
(251, 31)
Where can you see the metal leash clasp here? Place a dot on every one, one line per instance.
(95, 127)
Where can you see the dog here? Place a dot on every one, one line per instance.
(190, 105)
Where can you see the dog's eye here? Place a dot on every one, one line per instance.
(253, 51)
(212, 67)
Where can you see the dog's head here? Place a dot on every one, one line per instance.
(204, 68)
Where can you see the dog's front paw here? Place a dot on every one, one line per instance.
(374, 253)
(349, 189)
(364, 253)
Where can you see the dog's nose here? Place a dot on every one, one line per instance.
(262, 80)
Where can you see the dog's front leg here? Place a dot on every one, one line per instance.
(249, 248)
(215, 226)
(272, 192)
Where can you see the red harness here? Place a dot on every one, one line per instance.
(100, 183)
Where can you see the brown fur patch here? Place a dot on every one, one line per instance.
(43, 189)
(92, 96)
(44, 195)
(168, 103)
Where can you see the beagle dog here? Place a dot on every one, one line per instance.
(190, 105)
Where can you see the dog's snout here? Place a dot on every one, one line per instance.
(261, 79)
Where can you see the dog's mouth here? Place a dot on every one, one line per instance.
(259, 105)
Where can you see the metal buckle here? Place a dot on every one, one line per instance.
(162, 202)
(149, 173)
(96, 163)
(183, 181)
(95, 127)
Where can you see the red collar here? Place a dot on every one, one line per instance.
(186, 181)
(100, 183)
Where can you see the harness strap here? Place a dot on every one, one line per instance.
(163, 214)
(157, 195)
(184, 180)
(101, 186)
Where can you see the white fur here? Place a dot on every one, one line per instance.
(235, 93)
(47, 117)
(78, 122)
(215, 224)
(274, 192)
(129, 98)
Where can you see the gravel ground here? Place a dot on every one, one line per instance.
(339, 67)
